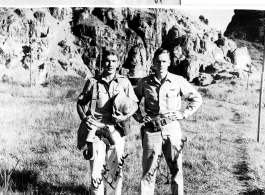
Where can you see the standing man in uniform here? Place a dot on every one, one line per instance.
(161, 129)
(102, 90)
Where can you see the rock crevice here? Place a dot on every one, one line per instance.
(68, 41)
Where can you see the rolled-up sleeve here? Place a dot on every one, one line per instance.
(192, 95)
(85, 96)
(83, 100)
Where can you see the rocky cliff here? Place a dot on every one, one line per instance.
(39, 43)
(247, 25)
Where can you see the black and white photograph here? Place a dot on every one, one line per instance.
(125, 100)
(97, 3)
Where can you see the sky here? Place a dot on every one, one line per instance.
(218, 18)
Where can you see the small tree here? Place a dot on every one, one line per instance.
(201, 17)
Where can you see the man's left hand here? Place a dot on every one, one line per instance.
(119, 117)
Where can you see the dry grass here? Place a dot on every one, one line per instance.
(39, 156)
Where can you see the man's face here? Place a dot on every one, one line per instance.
(162, 62)
(110, 64)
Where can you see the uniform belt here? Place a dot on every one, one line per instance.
(165, 121)
(158, 122)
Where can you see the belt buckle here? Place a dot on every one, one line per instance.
(163, 122)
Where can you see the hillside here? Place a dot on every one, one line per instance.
(40, 43)
(38, 153)
(247, 25)
(60, 47)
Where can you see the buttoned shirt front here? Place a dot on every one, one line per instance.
(165, 97)
(105, 91)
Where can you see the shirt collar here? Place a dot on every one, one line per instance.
(169, 77)
(115, 78)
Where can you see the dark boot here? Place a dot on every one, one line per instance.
(105, 132)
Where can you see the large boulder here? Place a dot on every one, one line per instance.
(247, 25)
(179, 62)
(204, 79)
(58, 12)
(224, 75)
(196, 44)
(188, 42)
(193, 69)
(218, 54)
(231, 45)
(173, 38)
(242, 60)
(226, 45)
(207, 47)
(136, 62)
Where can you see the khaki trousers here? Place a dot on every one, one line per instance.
(106, 164)
(169, 142)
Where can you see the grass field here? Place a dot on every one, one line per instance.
(38, 153)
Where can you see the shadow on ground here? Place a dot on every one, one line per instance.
(241, 170)
(26, 181)
(253, 192)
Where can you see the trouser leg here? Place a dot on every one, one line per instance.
(152, 143)
(91, 134)
(173, 156)
(114, 165)
(96, 165)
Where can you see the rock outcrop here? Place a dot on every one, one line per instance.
(247, 25)
(43, 42)
(36, 43)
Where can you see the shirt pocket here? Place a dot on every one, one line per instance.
(172, 98)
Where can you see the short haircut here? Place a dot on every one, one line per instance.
(110, 52)
(161, 51)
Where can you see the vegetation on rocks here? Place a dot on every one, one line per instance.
(39, 43)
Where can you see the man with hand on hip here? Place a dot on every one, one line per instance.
(161, 130)
(107, 143)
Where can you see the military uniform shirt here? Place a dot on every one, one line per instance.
(105, 90)
(165, 97)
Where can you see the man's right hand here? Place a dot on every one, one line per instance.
(87, 124)
(92, 122)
